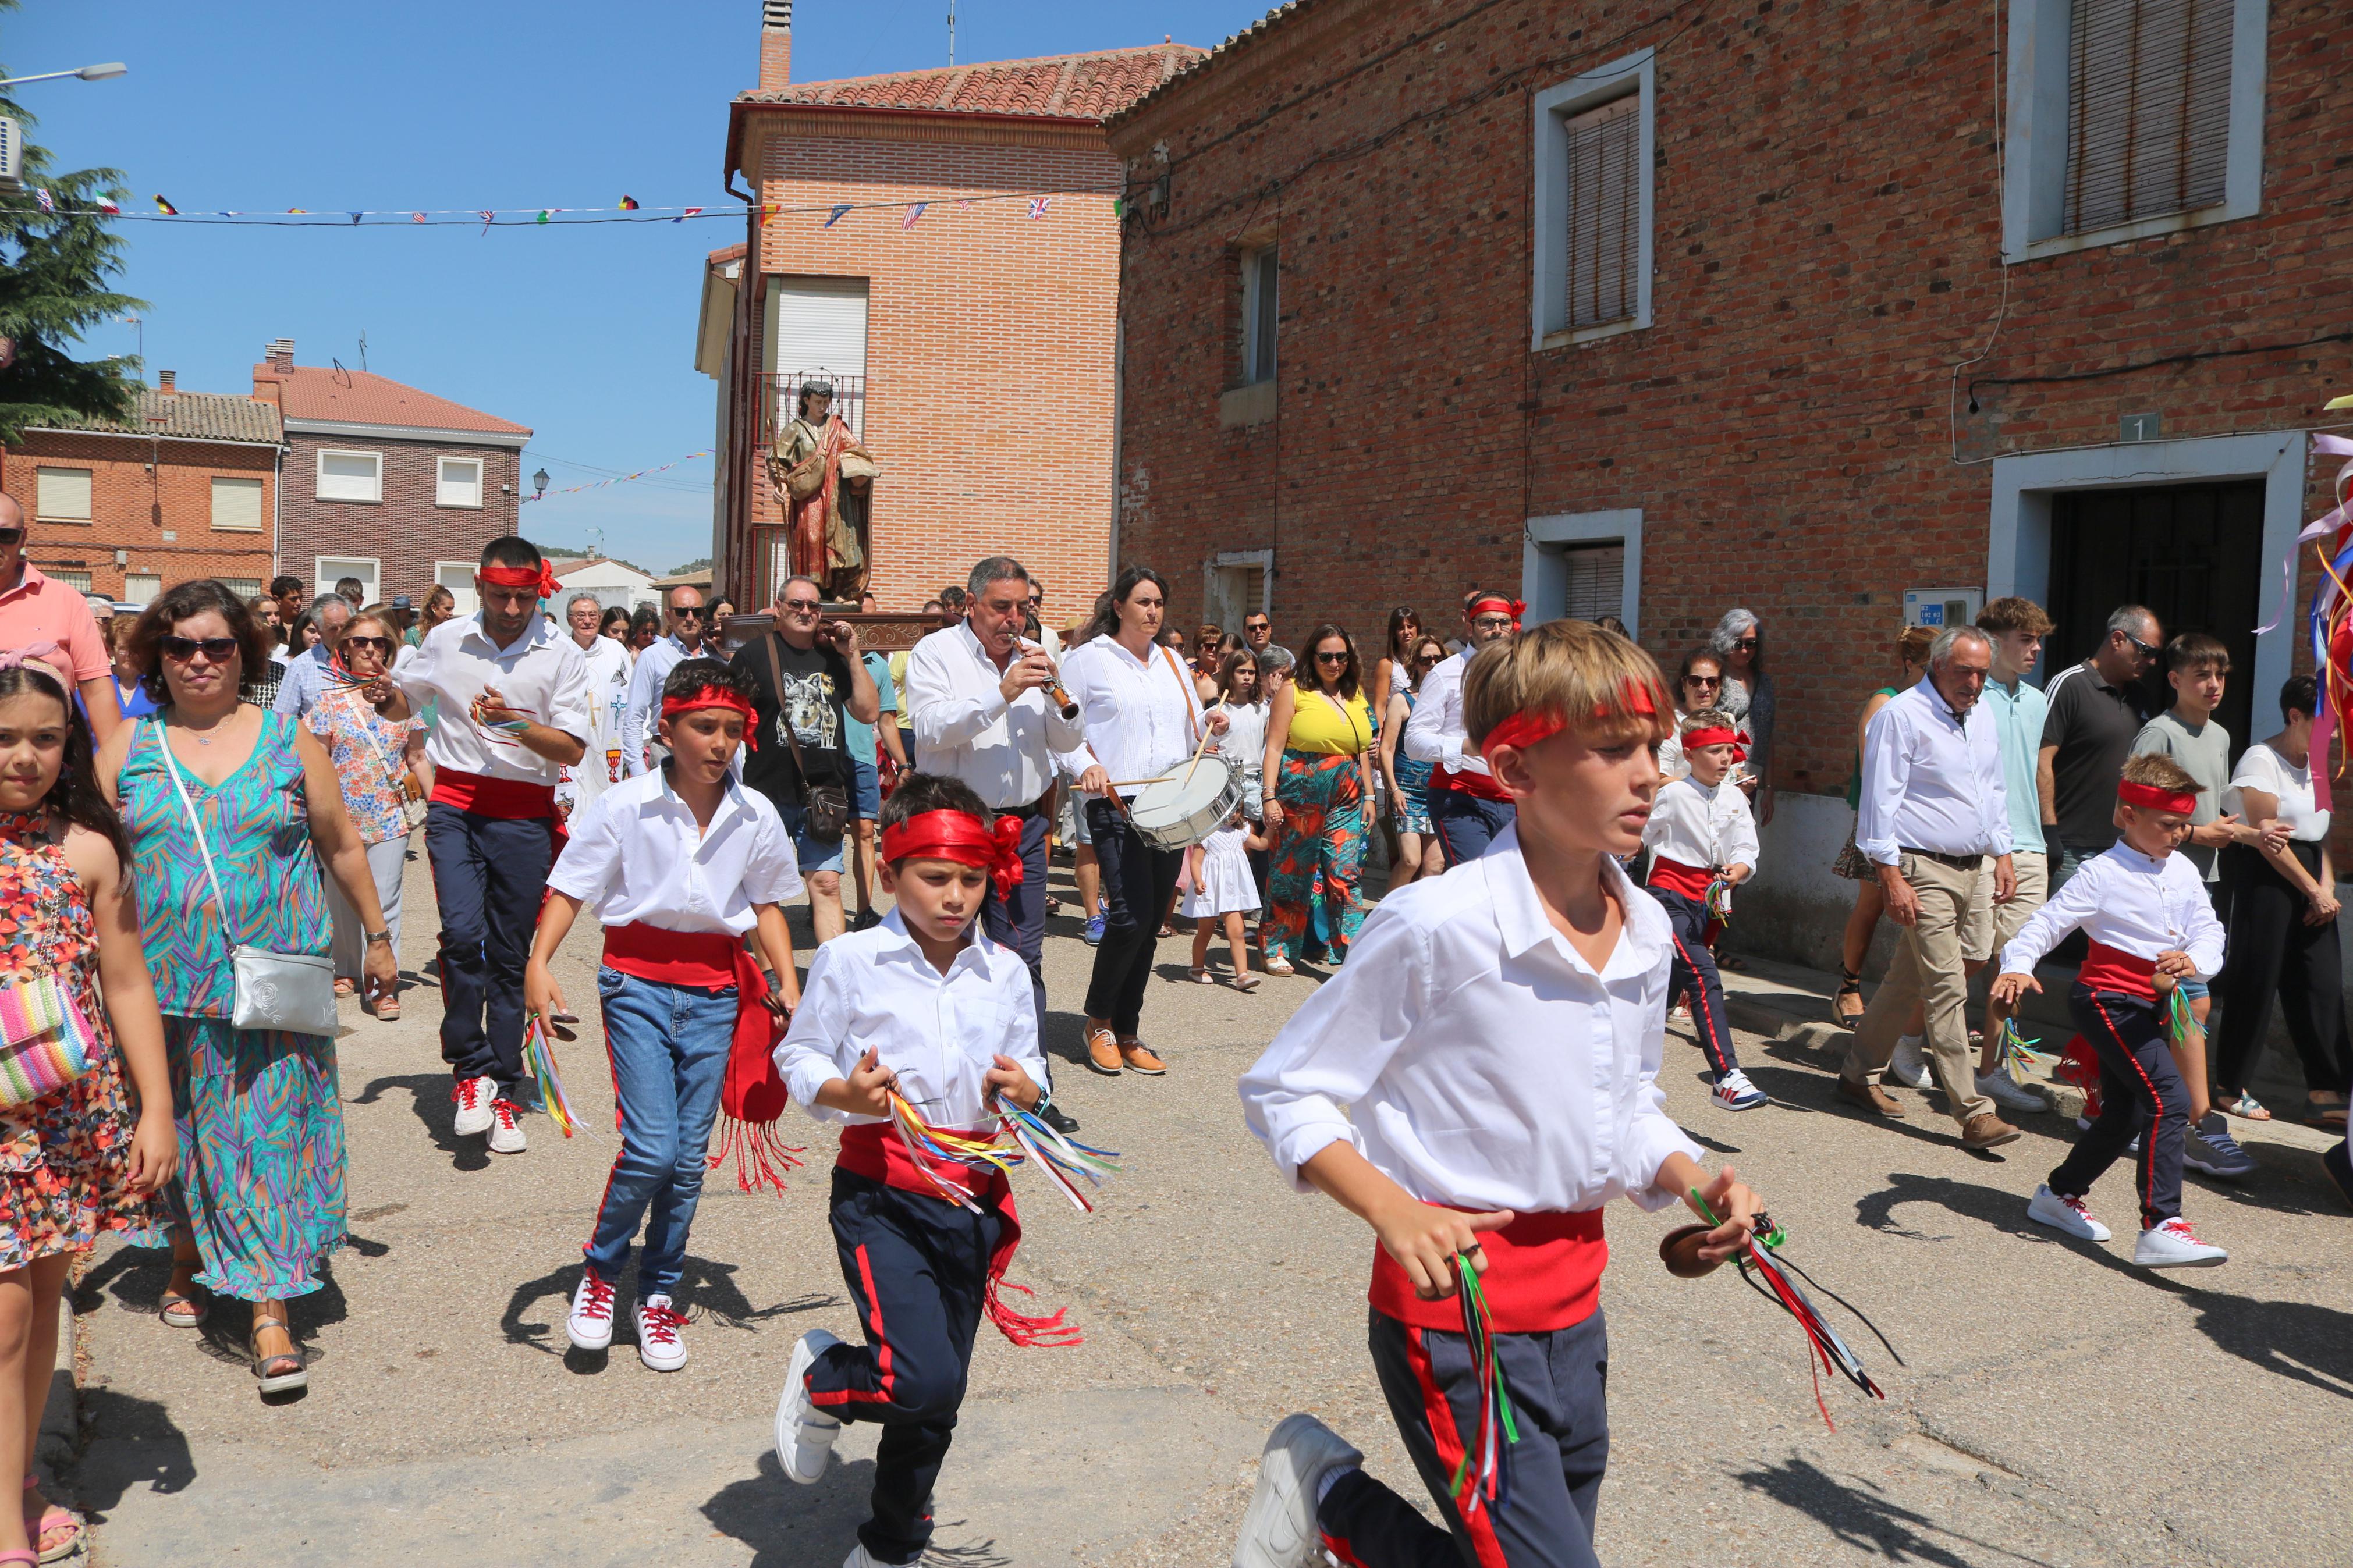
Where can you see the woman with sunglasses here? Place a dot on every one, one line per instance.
(259, 1199)
(1747, 696)
(1419, 852)
(372, 756)
(1319, 760)
(1697, 685)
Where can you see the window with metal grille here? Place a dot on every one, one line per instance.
(2149, 109)
(1604, 211)
(1596, 583)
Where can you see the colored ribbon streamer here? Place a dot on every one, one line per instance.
(1063, 1159)
(539, 1062)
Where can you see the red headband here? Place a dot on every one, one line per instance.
(2156, 799)
(1526, 728)
(1511, 607)
(959, 835)
(715, 697)
(544, 579)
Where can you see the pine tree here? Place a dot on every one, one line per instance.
(53, 271)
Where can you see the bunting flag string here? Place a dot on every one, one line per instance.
(627, 210)
(622, 479)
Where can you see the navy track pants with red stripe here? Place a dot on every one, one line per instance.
(917, 1267)
(1695, 971)
(2140, 1092)
(1559, 1390)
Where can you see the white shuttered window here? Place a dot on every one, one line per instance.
(1596, 585)
(2149, 109)
(1604, 212)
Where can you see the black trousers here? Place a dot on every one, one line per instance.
(2140, 1092)
(917, 1267)
(1467, 823)
(1695, 971)
(2275, 955)
(1138, 879)
(489, 876)
(1559, 1388)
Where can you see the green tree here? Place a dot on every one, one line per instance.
(53, 271)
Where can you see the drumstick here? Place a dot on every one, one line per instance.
(1200, 748)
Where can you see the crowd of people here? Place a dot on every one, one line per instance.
(206, 814)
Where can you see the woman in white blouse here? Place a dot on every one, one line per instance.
(2282, 931)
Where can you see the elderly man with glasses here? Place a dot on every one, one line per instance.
(306, 674)
(687, 631)
(2095, 714)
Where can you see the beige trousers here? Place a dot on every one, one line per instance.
(1956, 924)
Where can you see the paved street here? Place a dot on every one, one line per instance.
(2058, 1407)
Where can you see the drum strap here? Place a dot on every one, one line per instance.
(1192, 701)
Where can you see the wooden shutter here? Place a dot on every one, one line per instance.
(1597, 581)
(2149, 109)
(1605, 212)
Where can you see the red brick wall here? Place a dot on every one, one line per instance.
(406, 533)
(989, 347)
(131, 508)
(1827, 244)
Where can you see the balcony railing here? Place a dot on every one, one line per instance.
(782, 395)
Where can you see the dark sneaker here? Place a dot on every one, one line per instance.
(2340, 1166)
(2209, 1149)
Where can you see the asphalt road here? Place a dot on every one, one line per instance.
(2056, 1406)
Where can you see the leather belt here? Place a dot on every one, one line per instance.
(1958, 862)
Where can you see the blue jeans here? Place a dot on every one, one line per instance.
(812, 853)
(668, 1047)
(1467, 823)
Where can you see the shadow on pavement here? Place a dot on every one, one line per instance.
(1862, 1519)
(130, 1442)
(790, 1526)
(430, 1093)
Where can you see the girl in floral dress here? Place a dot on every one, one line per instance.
(90, 1157)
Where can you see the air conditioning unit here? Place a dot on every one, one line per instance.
(12, 154)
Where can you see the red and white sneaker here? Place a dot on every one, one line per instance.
(472, 1097)
(506, 1128)
(659, 1345)
(2063, 1213)
(2173, 1245)
(590, 1323)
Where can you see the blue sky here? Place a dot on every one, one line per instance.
(584, 334)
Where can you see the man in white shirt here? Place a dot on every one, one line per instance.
(514, 697)
(305, 680)
(609, 692)
(688, 626)
(1933, 810)
(1467, 809)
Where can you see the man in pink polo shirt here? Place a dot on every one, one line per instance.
(37, 609)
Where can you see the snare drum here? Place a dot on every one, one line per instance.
(1175, 814)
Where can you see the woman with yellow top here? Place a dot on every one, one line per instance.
(1319, 750)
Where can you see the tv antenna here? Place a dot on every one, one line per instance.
(363, 350)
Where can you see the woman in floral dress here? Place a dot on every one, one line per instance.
(86, 1158)
(260, 1199)
(372, 754)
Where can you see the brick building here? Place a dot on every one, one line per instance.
(385, 483)
(1807, 306)
(185, 486)
(972, 340)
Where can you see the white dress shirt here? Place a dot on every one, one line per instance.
(1480, 1062)
(1142, 716)
(608, 691)
(1930, 782)
(1702, 825)
(2131, 903)
(541, 674)
(875, 989)
(966, 729)
(635, 856)
(1435, 733)
(638, 729)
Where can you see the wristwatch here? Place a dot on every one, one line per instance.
(379, 936)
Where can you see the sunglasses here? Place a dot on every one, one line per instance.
(10, 537)
(1744, 642)
(806, 606)
(2144, 650)
(1703, 681)
(688, 612)
(1256, 625)
(381, 644)
(180, 649)
(1331, 659)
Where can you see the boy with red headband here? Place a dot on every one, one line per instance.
(682, 865)
(1700, 833)
(925, 1008)
(2146, 910)
(1495, 1041)
(1468, 809)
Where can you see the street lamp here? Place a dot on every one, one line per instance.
(87, 73)
(539, 485)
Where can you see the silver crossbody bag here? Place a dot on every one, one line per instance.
(290, 991)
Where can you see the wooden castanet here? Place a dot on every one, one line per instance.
(1679, 1250)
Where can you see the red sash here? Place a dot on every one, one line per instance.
(1543, 1272)
(2108, 968)
(506, 800)
(1482, 786)
(874, 1151)
(1691, 881)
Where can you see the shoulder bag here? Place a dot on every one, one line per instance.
(412, 789)
(44, 1041)
(827, 806)
(294, 992)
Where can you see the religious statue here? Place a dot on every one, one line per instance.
(826, 480)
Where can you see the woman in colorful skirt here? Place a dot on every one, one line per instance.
(77, 1157)
(1319, 761)
(259, 1203)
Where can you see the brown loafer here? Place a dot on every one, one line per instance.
(1987, 1131)
(1869, 1096)
(1138, 1058)
(1103, 1050)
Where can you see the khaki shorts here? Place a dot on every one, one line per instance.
(1994, 924)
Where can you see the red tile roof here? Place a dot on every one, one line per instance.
(357, 397)
(1059, 87)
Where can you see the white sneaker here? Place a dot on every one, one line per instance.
(2173, 1245)
(1733, 1091)
(506, 1130)
(1908, 1067)
(861, 1558)
(472, 1095)
(659, 1343)
(804, 1438)
(2062, 1213)
(2003, 1089)
(1279, 1530)
(591, 1322)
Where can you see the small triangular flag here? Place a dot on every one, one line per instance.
(835, 216)
(690, 212)
(629, 203)
(914, 211)
(106, 205)
(49, 202)
(544, 213)
(304, 211)
(166, 208)
(416, 217)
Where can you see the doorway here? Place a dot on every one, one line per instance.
(2189, 553)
